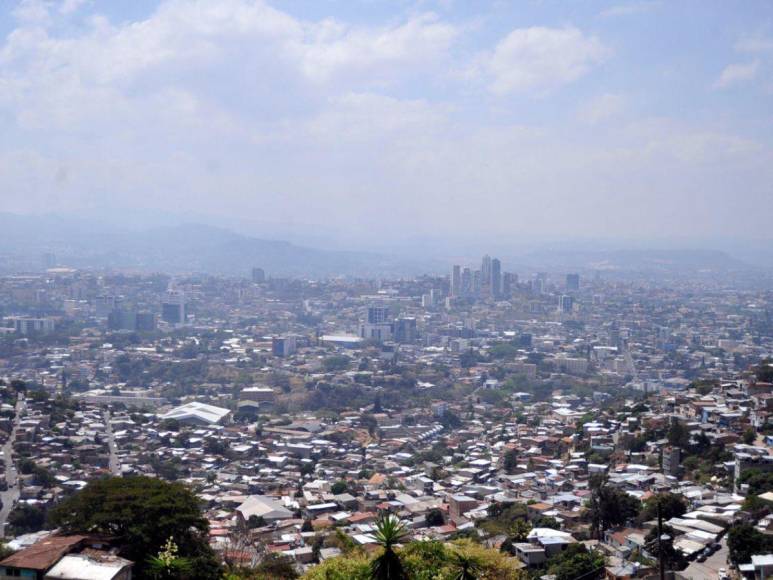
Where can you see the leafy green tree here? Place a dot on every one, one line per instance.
(744, 541)
(388, 566)
(671, 506)
(678, 435)
(749, 436)
(510, 462)
(141, 513)
(519, 531)
(336, 363)
(575, 562)
(547, 522)
(255, 521)
(26, 518)
(763, 371)
(434, 517)
(757, 506)
(467, 566)
(610, 507)
(339, 487)
(276, 566)
(759, 481)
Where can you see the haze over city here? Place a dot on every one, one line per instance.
(370, 123)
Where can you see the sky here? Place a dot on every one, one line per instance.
(365, 120)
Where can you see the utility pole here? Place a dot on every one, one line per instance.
(661, 561)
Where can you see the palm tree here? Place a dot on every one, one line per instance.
(467, 567)
(389, 532)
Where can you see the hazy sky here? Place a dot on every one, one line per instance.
(383, 117)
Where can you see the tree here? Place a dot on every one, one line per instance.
(387, 566)
(757, 506)
(671, 506)
(759, 481)
(142, 514)
(575, 562)
(749, 436)
(338, 488)
(763, 371)
(510, 463)
(744, 541)
(26, 518)
(678, 435)
(610, 507)
(519, 531)
(276, 566)
(255, 521)
(434, 517)
(547, 522)
(467, 566)
(336, 363)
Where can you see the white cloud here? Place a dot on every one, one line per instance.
(737, 73)
(754, 44)
(601, 108)
(539, 59)
(629, 9)
(235, 107)
(334, 47)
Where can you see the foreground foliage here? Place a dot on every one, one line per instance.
(431, 560)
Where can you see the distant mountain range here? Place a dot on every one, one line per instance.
(182, 248)
(670, 261)
(194, 248)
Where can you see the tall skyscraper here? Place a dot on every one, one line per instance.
(466, 282)
(456, 281)
(565, 303)
(572, 282)
(485, 268)
(496, 278)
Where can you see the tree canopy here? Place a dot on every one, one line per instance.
(142, 514)
(430, 560)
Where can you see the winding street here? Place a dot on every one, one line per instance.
(115, 466)
(10, 496)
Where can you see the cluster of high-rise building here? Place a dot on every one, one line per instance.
(487, 282)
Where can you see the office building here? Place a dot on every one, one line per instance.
(466, 282)
(258, 275)
(120, 319)
(105, 304)
(495, 278)
(405, 330)
(565, 303)
(378, 314)
(174, 308)
(29, 325)
(572, 282)
(456, 281)
(283, 346)
(485, 268)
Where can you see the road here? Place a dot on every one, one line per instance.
(115, 465)
(709, 568)
(631, 365)
(10, 496)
